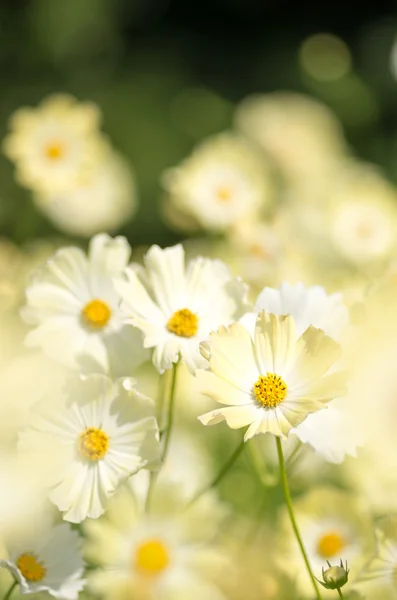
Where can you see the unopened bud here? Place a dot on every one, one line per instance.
(335, 577)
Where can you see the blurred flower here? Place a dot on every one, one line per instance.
(90, 441)
(167, 553)
(54, 144)
(102, 199)
(379, 574)
(223, 180)
(301, 135)
(75, 307)
(48, 561)
(271, 382)
(363, 216)
(176, 309)
(334, 525)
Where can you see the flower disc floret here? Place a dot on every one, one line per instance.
(330, 545)
(96, 314)
(152, 557)
(270, 390)
(183, 323)
(31, 568)
(54, 151)
(93, 444)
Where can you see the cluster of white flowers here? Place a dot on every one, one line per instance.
(272, 365)
(108, 477)
(78, 180)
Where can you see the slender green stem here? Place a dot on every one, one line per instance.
(288, 500)
(166, 433)
(340, 593)
(170, 420)
(12, 588)
(220, 475)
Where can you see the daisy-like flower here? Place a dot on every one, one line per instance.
(47, 560)
(330, 432)
(88, 445)
(177, 307)
(74, 305)
(380, 573)
(335, 525)
(272, 381)
(102, 200)
(166, 554)
(224, 180)
(301, 135)
(52, 145)
(363, 216)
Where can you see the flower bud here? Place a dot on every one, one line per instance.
(335, 577)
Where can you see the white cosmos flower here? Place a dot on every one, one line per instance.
(222, 181)
(177, 307)
(164, 554)
(48, 561)
(330, 432)
(379, 574)
(271, 382)
(335, 525)
(101, 435)
(103, 200)
(74, 306)
(55, 143)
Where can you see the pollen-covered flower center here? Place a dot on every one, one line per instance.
(224, 193)
(31, 568)
(93, 443)
(330, 545)
(54, 150)
(96, 314)
(270, 390)
(152, 557)
(183, 323)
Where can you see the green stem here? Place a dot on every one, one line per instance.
(170, 422)
(12, 588)
(226, 467)
(340, 593)
(288, 500)
(166, 432)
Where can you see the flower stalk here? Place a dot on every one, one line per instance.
(288, 500)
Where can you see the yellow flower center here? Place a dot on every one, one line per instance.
(96, 314)
(183, 323)
(31, 568)
(224, 193)
(152, 557)
(270, 390)
(54, 150)
(330, 544)
(93, 443)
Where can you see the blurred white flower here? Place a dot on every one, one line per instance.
(74, 305)
(91, 440)
(271, 382)
(223, 180)
(363, 216)
(379, 574)
(165, 554)
(176, 308)
(301, 135)
(334, 525)
(47, 560)
(54, 144)
(104, 199)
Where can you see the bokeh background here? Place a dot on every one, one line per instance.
(167, 73)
